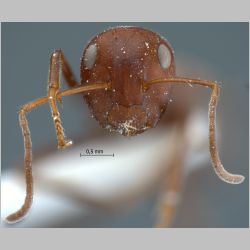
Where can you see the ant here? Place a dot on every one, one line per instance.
(127, 74)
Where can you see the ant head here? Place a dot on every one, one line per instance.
(127, 58)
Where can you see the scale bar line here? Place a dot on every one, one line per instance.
(96, 155)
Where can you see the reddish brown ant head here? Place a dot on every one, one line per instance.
(127, 57)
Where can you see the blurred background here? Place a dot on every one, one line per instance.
(121, 191)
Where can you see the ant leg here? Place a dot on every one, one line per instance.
(67, 72)
(58, 63)
(170, 197)
(171, 191)
(27, 160)
(218, 167)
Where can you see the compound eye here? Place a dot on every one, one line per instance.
(164, 56)
(90, 56)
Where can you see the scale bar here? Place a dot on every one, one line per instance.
(96, 155)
